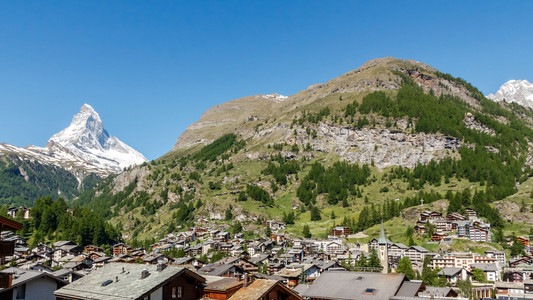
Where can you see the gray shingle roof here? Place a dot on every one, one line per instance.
(21, 276)
(449, 271)
(129, 284)
(409, 289)
(352, 285)
(485, 267)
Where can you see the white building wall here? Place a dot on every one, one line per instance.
(40, 288)
(157, 295)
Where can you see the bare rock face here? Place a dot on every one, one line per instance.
(511, 211)
(383, 147)
(125, 178)
(471, 123)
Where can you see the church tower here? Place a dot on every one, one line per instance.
(382, 250)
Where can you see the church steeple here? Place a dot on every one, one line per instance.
(382, 239)
(383, 250)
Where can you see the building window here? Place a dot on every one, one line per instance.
(369, 292)
(174, 293)
(180, 291)
(21, 292)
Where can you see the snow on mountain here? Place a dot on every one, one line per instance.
(519, 91)
(84, 146)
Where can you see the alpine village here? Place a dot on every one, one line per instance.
(393, 181)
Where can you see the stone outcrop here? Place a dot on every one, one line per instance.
(471, 123)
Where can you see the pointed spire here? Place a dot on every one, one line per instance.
(382, 239)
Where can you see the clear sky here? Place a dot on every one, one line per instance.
(150, 68)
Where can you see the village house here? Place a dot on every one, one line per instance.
(514, 289)
(417, 254)
(221, 288)
(28, 284)
(355, 285)
(491, 271)
(277, 237)
(460, 260)
(224, 270)
(498, 255)
(340, 231)
(120, 248)
(514, 275)
(92, 248)
(455, 217)
(454, 274)
(116, 281)
(275, 225)
(266, 289)
(24, 211)
(528, 286)
(471, 214)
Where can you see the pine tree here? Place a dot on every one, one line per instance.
(361, 262)
(429, 276)
(333, 217)
(373, 260)
(315, 214)
(268, 232)
(229, 214)
(405, 267)
(306, 232)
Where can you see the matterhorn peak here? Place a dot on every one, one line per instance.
(87, 138)
(519, 91)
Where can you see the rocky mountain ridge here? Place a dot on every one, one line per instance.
(518, 91)
(83, 148)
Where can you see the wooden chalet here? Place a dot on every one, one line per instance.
(7, 248)
(266, 289)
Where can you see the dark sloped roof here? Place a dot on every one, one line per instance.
(410, 288)
(21, 276)
(485, 267)
(449, 271)
(223, 284)
(258, 288)
(8, 224)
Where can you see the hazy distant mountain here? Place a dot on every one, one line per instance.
(519, 91)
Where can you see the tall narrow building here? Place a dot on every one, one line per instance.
(382, 250)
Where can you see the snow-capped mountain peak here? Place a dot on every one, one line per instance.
(86, 128)
(84, 146)
(87, 138)
(519, 91)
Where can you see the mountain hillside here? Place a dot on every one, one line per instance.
(518, 91)
(357, 149)
(71, 160)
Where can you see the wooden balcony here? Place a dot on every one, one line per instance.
(5, 280)
(7, 248)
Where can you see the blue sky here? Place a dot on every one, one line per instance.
(150, 68)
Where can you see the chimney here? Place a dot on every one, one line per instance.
(161, 267)
(116, 279)
(246, 279)
(144, 273)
